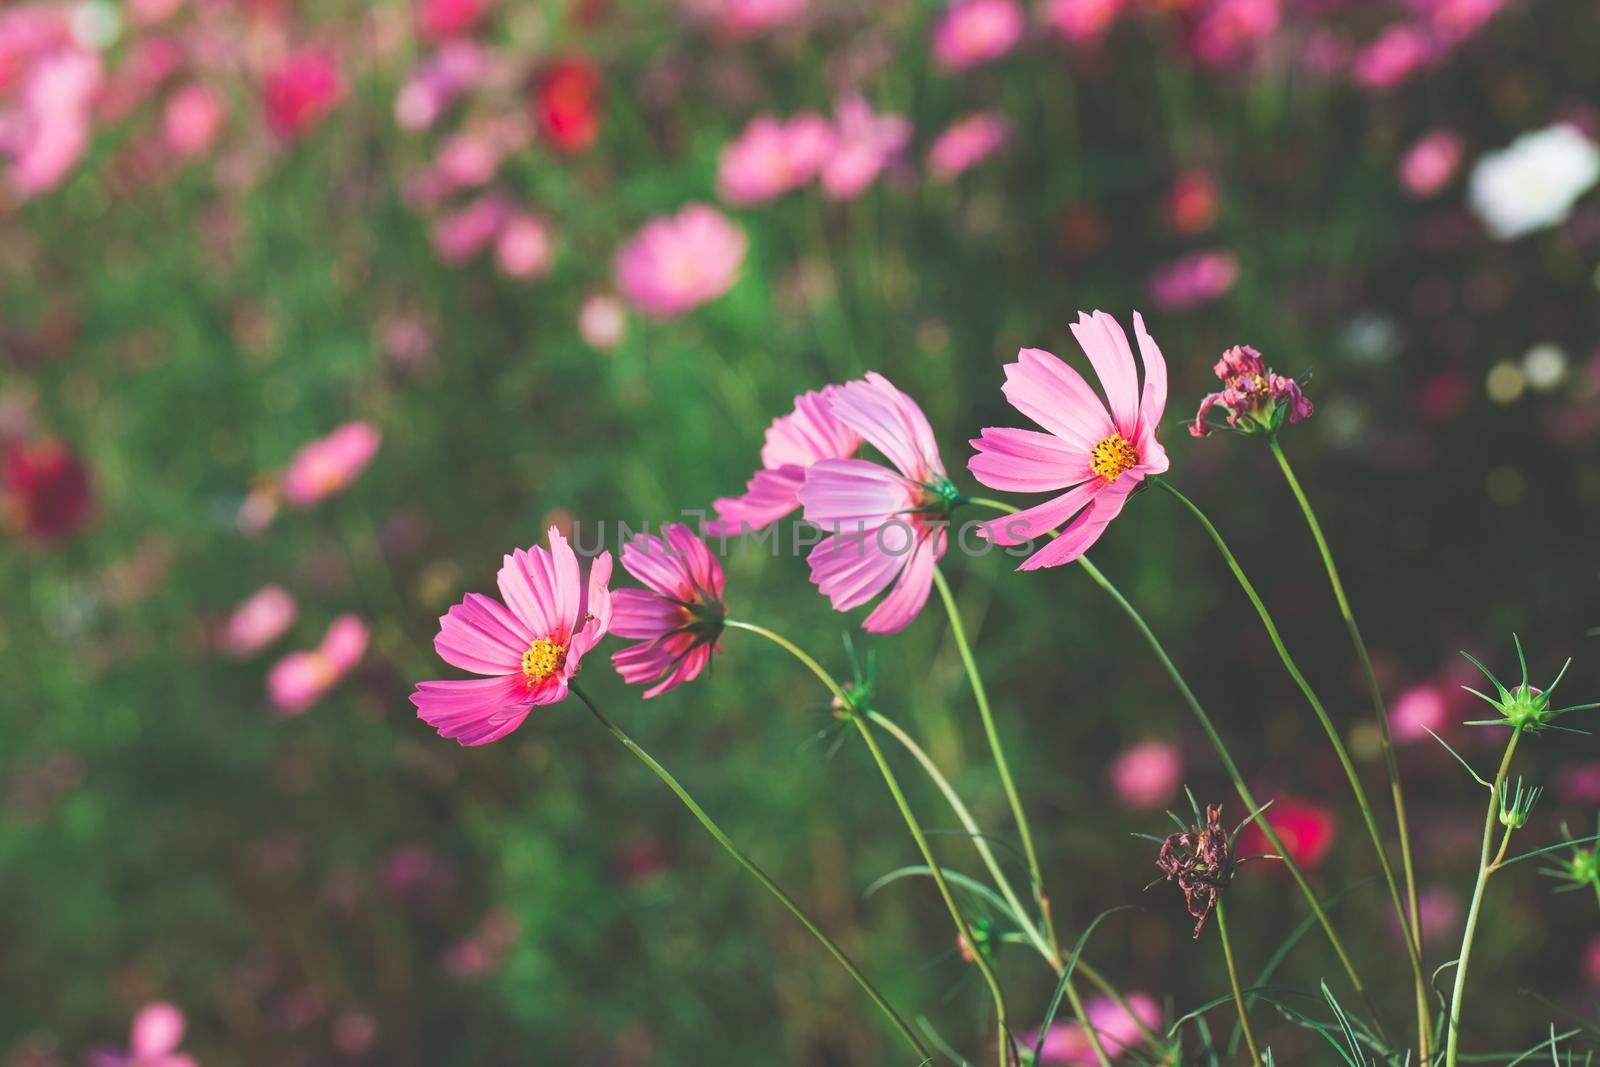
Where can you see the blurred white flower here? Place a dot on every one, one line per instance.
(1532, 183)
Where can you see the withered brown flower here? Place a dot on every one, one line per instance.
(1200, 859)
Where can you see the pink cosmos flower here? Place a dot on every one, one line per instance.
(1147, 775)
(529, 647)
(773, 156)
(809, 433)
(602, 321)
(192, 119)
(1193, 280)
(1307, 830)
(259, 621)
(1228, 31)
(966, 143)
(678, 619)
(1257, 400)
(1431, 162)
(524, 248)
(157, 1032)
(1068, 1043)
(973, 32)
(678, 262)
(1083, 22)
(887, 524)
(1396, 54)
(1098, 454)
(867, 144)
(330, 464)
(301, 679)
(301, 91)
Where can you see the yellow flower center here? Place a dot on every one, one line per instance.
(1112, 457)
(543, 658)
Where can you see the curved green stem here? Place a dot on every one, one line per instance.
(1408, 867)
(847, 708)
(1322, 717)
(1469, 932)
(761, 876)
(1233, 980)
(1225, 756)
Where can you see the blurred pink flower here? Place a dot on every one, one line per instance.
(454, 68)
(468, 160)
(1147, 775)
(1227, 32)
(1307, 830)
(44, 130)
(192, 118)
(973, 32)
(330, 464)
(795, 441)
(678, 262)
(524, 248)
(1416, 711)
(884, 522)
(1431, 162)
(1083, 22)
(464, 233)
(1098, 454)
(259, 621)
(157, 1032)
(1195, 279)
(967, 142)
(1068, 1043)
(1397, 53)
(300, 679)
(529, 647)
(678, 619)
(867, 144)
(300, 91)
(1191, 203)
(443, 19)
(746, 18)
(773, 156)
(1440, 910)
(1453, 20)
(602, 321)
(1579, 784)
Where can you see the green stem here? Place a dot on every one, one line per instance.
(1322, 717)
(1233, 979)
(761, 876)
(1223, 754)
(1485, 869)
(1424, 1016)
(846, 707)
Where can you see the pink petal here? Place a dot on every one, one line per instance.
(891, 422)
(769, 496)
(481, 636)
(474, 711)
(593, 613)
(693, 555)
(1040, 519)
(527, 582)
(851, 568)
(642, 615)
(850, 492)
(1027, 461)
(1085, 530)
(649, 559)
(808, 433)
(1056, 397)
(1154, 403)
(569, 595)
(910, 593)
(1102, 340)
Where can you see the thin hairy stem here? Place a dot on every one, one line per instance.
(761, 876)
(1424, 1015)
(1233, 980)
(1485, 869)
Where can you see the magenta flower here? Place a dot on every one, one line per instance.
(529, 647)
(300, 679)
(966, 143)
(329, 464)
(463, 233)
(678, 262)
(157, 1033)
(867, 143)
(1393, 57)
(887, 525)
(300, 91)
(973, 32)
(772, 157)
(1258, 401)
(1193, 280)
(1431, 162)
(1227, 32)
(794, 442)
(258, 622)
(1147, 775)
(1082, 22)
(1098, 454)
(678, 619)
(1068, 1043)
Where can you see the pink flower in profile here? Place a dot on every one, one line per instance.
(1228, 31)
(1193, 280)
(330, 464)
(887, 524)
(809, 433)
(529, 647)
(1258, 401)
(773, 156)
(1396, 54)
(678, 619)
(301, 91)
(678, 262)
(1431, 162)
(524, 248)
(157, 1033)
(966, 143)
(973, 32)
(192, 118)
(867, 143)
(301, 679)
(1098, 453)
(1147, 775)
(1068, 1043)
(259, 621)
(1083, 22)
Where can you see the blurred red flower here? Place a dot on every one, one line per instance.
(1307, 830)
(565, 103)
(300, 92)
(443, 19)
(47, 490)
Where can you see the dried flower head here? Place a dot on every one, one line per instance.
(1258, 401)
(1200, 859)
